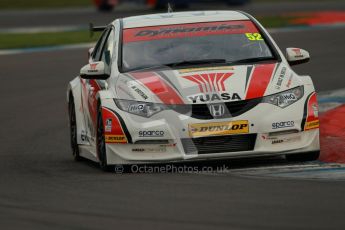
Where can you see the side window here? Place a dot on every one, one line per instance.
(108, 50)
(96, 55)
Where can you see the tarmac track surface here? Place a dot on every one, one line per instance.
(42, 188)
(76, 17)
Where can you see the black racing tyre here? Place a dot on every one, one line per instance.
(73, 129)
(301, 157)
(101, 150)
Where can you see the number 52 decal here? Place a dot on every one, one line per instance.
(254, 36)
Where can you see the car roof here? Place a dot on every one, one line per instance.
(182, 18)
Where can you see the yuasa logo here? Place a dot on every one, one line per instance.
(213, 82)
(214, 97)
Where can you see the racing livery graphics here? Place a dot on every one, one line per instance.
(191, 86)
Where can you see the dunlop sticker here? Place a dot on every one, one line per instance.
(312, 125)
(115, 139)
(218, 128)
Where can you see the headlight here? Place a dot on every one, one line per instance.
(143, 109)
(286, 98)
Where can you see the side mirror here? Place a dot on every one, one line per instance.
(297, 56)
(95, 70)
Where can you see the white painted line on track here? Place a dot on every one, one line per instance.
(331, 99)
(314, 170)
(310, 170)
(46, 49)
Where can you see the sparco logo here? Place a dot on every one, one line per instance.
(217, 110)
(155, 133)
(283, 124)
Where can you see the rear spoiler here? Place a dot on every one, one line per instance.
(94, 29)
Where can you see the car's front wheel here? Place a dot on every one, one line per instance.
(301, 157)
(101, 150)
(73, 129)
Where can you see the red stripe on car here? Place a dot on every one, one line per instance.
(260, 79)
(159, 87)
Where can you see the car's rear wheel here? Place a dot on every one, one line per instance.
(101, 150)
(73, 129)
(301, 157)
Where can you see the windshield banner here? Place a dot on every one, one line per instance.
(188, 30)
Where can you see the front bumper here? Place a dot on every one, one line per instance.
(306, 141)
(165, 132)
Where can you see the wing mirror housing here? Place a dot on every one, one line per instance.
(95, 70)
(296, 56)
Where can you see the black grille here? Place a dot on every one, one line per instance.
(219, 144)
(201, 111)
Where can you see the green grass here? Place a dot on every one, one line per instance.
(36, 4)
(10, 41)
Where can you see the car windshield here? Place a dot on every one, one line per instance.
(193, 44)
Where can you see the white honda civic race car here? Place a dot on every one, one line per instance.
(191, 86)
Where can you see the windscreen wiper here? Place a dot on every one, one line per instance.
(253, 60)
(196, 62)
(182, 63)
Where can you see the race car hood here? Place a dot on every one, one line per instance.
(206, 85)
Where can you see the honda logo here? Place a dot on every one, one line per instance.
(217, 110)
